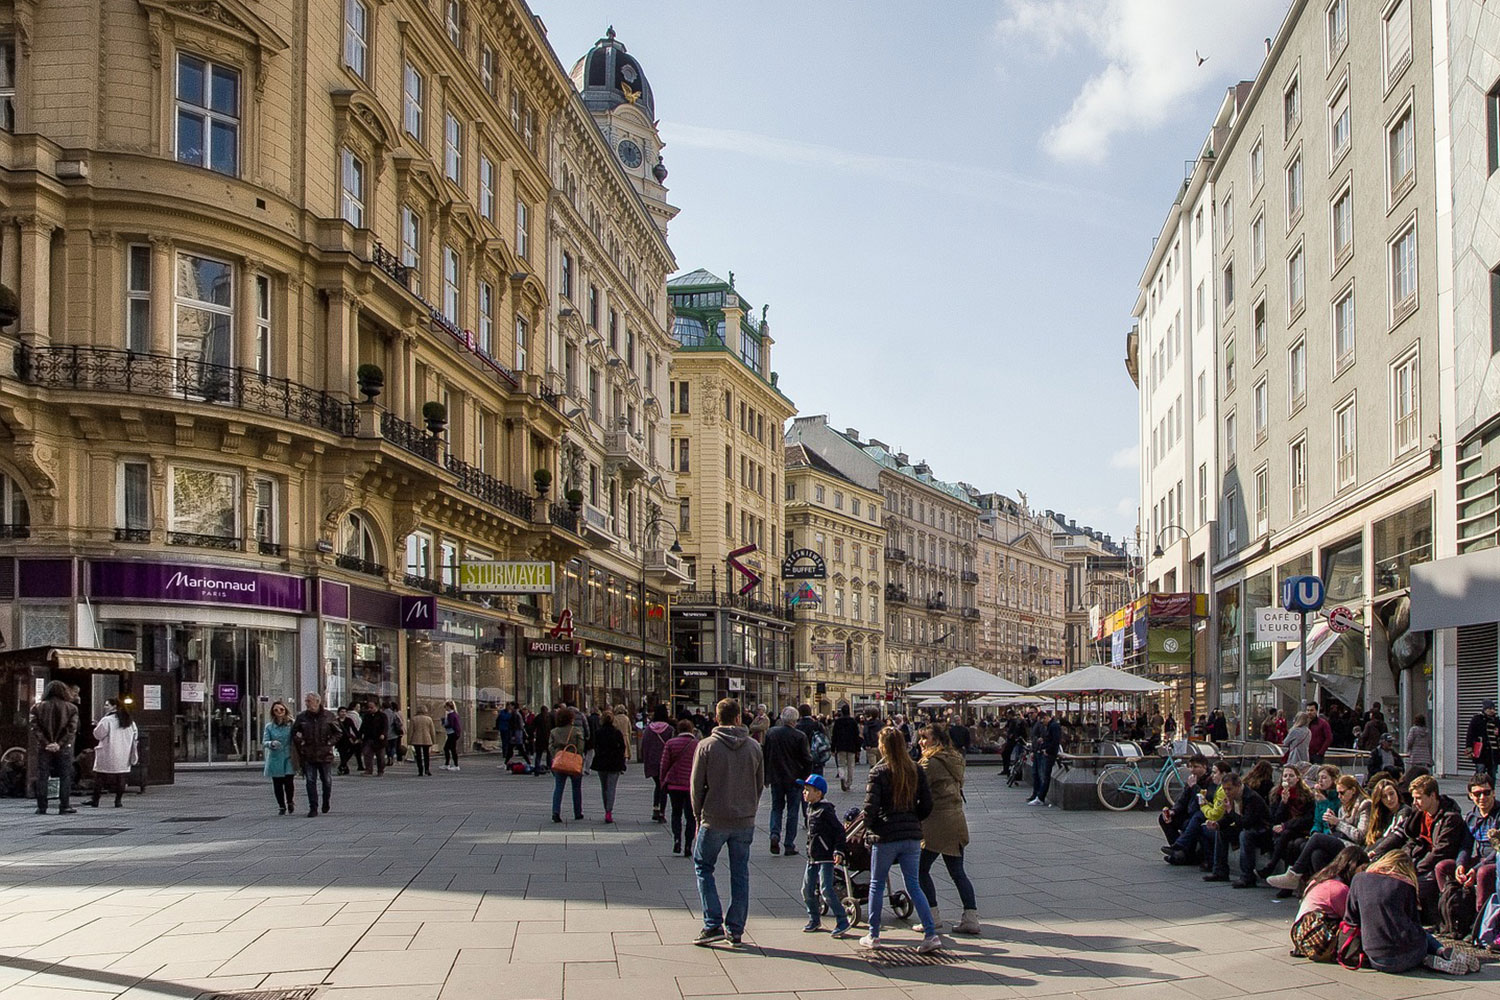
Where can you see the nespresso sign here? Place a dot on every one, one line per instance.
(553, 647)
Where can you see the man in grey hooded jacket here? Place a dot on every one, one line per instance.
(728, 776)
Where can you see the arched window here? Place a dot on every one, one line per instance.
(358, 546)
(15, 515)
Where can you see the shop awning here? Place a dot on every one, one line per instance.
(93, 659)
(1461, 590)
(1319, 641)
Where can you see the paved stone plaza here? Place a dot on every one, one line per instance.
(460, 886)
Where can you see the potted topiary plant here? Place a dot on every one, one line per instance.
(542, 480)
(436, 415)
(575, 500)
(371, 381)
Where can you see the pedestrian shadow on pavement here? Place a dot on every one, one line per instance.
(981, 964)
(80, 974)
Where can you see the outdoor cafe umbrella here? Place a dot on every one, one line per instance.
(961, 684)
(1099, 680)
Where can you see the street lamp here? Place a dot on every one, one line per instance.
(651, 531)
(1158, 553)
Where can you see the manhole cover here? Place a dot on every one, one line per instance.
(300, 993)
(192, 819)
(85, 831)
(898, 958)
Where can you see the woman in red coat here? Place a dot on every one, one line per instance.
(677, 777)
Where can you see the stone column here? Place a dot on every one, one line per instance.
(163, 288)
(242, 351)
(34, 285)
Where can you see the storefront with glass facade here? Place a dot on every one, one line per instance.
(360, 639)
(723, 653)
(465, 659)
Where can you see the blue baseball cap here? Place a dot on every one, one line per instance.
(815, 781)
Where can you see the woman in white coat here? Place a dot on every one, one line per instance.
(118, 751)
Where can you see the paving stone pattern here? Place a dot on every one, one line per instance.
(460, 886)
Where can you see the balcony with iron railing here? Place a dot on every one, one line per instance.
(481, 485)
(895, 555)
(419, 582)
(565, 517)
(408, 437)
(971, 613)
(895, 594)
(227, 543)
(625, 451)
(937, 605)
(17, 531)
(968, 576)
(104, 370)
(357, 565)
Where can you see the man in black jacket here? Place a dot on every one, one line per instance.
(1247, 822)
(54, 729)
(373, 727)
(846, 741)
(1182, 822)
(787, 759)
(1482, 741)
(812, 729)
(1046, 744)
(1435, 831)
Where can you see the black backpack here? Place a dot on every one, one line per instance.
(1456, 910)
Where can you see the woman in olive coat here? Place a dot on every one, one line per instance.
(945, 833)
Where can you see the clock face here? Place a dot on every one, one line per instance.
(630, 153)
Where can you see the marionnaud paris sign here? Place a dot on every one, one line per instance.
(193, 584)
(803, 564)
(507, 577)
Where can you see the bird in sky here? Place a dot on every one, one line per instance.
(1201, 58)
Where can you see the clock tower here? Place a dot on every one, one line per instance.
(616, 92)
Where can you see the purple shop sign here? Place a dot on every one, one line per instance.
(228, 693)
(418, 612)
(189, 584)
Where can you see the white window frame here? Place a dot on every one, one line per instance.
(1345, 444)
(417, 561)
(265, 511)
(1341, 255)
(1405, 306)
(139, 275)
(181, 302)
(1296, 366)
(264, 305)
(1341, 97)
(1257, 164)
(1291, 107)
(486, 187)
(453, 148)
(1342, 361)
(1257, 245)
(1260, 409)
(1297, 476)
(487, 63)
(1406, 424)
(1296, 176)
(1202, 494)
(1296, 280)
(357, 37)
(236, 493)
(1397, 186)
(1231, 440)
(452, 275)
(1393, 68)
(8, 102)
(453, 22)
(523, 337)
(414, 102)
(1336, 29)
(1261, 499)
(411, 245)
(351, 188)
(1260, 328)
(206, 114)
(523, 229)
(486, 309)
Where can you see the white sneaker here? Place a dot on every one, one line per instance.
(871, 941)
(1453, 965)
(930, 943)
(1286, 880)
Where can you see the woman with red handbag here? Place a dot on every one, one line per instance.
(1382, 925)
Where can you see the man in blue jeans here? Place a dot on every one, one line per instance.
(787, 761)
(1046, 740)
(728, 775)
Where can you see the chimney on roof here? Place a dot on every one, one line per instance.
(1072, 523)
(852, 432)
(1088, 531)
(901, 457)
(875, 442)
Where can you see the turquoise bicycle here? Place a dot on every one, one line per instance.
(1122, 786)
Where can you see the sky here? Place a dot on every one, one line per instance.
(947, 207)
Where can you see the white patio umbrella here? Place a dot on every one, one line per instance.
(961, 684)
(1098, 680)
(934, 703)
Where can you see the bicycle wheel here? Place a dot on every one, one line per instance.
(1117, 787)
(1171, 785)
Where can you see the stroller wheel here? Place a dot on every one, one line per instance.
(851, 907)
(901, 904)
(823, 907)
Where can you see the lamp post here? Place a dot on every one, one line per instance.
(650, 531)
(1157, 553)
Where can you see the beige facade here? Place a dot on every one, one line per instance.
(838, 635)
(1022, 631)
(1099, 578)
(727, 418)
(214, 215)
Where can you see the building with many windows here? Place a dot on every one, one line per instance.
(1022, 619)
(1099, 577)
(282, 361)
(932, 527)
(834, 527)
(731, 631)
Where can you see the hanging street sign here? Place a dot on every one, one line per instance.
(1340, 620)
(803, 564)
(752, 578)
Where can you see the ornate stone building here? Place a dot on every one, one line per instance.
(1020, 592)
(282, 360)
(839, 626)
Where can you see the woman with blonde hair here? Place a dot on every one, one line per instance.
(1298, 742)
(1387, 813)
(945, 832)
(1383, 906)
(1346, 825)
(276, 739)
(897, 800)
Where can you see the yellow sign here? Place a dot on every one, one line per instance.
(506, 577)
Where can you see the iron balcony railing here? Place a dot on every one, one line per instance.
(408, 437)
(564, 517)
(132, 534)
(15, 531)
(486, 487)
(226, 542)
(968, 576)
(104, 369)
(895, 594)
(895, 555)
(935, 604)
(358, 565)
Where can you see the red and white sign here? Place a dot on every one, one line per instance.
(564, 627)
(1340, 620)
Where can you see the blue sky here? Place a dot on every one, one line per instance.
(947, 214)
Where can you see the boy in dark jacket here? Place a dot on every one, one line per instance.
(825, 838)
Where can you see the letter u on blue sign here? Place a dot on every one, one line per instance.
(1302, 593)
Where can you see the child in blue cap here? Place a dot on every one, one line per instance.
(825, 838)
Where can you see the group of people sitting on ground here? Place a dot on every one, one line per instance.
(1423, 864)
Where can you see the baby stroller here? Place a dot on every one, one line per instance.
(854, 874)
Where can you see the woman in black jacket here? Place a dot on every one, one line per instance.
(609, 760)
(897, 800)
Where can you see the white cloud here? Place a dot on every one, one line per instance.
(1148, 49)
(1126, 458)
